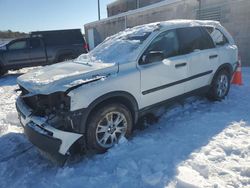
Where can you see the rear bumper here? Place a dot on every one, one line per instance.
(53, 141)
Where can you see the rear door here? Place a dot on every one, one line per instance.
(37, 52)
(202, 56)
(162, 80)
(227, 52)
(17, 54)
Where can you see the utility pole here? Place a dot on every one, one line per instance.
(99, 16)
(199, 9)
(137, 4)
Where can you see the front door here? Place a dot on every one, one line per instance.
(17, 54)
(164, 79)
(37, 52)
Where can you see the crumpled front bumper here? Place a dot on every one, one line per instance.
(53, 141)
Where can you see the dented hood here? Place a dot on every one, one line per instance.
(63, 76)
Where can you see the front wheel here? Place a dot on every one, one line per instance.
(107, 126)
(220, 86)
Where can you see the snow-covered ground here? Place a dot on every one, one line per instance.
(194, 144)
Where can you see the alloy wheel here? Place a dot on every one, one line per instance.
(110, 129)
(222, 85)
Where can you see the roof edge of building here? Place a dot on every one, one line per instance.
(113, 3)
(131, 12)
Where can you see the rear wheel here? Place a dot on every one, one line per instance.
(107, 126)
(220, 86)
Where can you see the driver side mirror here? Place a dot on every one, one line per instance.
(153, 56)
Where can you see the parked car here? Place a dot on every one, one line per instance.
(94, 100)
(42, 48)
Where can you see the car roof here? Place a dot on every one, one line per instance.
(173, 24)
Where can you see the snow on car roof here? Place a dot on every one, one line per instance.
(142, 29)
(178, 23)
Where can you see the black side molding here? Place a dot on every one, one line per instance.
(176, 83)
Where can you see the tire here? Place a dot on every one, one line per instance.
(102, 131)
(220, 86)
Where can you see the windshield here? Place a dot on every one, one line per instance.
(120, 48)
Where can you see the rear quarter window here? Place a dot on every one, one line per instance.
(218, 37)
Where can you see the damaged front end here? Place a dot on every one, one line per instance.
(48, 122)
(44, 105)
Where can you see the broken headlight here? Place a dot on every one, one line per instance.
(43, 105)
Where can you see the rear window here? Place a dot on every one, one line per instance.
(62, 37)
(35, 43)
(193, 38)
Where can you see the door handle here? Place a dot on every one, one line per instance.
(180, 65)
(213, 56)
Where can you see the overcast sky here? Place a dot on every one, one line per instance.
(32, 15)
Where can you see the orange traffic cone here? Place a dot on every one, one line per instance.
(237, 77)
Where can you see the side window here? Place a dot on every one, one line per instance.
(18, 45)
(35, 43)
(209, 43)
(217, 36)
(191, 39)
(167, 43)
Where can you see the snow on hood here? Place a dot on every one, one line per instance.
(62, 76)
(103, 60)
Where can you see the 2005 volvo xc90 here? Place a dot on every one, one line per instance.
(97, 98)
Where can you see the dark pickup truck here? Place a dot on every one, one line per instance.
(42, 48)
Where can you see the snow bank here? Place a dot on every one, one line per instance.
(224, 162)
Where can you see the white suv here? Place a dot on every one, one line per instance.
(94, 100)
